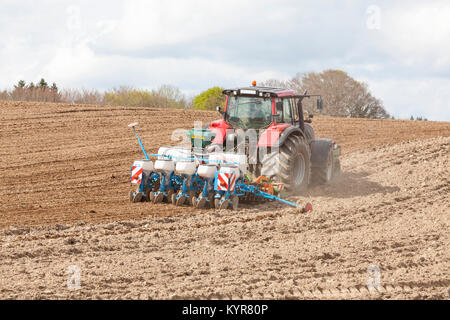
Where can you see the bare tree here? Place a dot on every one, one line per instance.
(81, 96)
(343, 96)
(170, 97)
(274, 83)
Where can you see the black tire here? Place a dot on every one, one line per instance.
(309, 132)
(180, 201)
(148, 192)
(194, 201)
(324, 174)
(201, 203)
(169, 198)
(211, 200)
(137, 197)
(159, 198)
(225, 204)
(234, 202)
(290, 166)
(173, 198)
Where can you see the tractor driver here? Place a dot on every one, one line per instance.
(255, 110)
(254, 114)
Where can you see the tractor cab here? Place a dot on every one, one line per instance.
(270, 111)
(268, 125)
(259, 107)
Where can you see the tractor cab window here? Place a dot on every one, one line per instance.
(287, 110)
(279, 109)
(284, 110)
(249, 112)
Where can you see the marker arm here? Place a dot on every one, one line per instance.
(140, 143)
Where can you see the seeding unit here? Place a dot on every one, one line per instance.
(216, 180)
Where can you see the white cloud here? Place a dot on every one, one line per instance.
(426, 97)
(146, 73)
(417, 35)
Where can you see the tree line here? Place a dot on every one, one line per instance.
(165, 96)
(343, 96)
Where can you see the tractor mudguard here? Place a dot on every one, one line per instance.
(272, 137)
(320, 148)
(219, 127)
(291, 130)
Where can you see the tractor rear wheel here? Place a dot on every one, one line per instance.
(323, 175)
(290, 166)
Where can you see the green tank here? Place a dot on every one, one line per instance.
(201, 138)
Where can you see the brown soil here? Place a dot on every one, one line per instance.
(64, 201)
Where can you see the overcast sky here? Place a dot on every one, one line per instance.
(401, 49)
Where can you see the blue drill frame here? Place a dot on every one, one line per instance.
(241, 189)
(198, 184)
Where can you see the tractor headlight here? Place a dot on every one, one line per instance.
(251, 92)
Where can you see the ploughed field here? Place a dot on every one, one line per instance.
(64, 201)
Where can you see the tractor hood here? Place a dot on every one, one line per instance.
(219, 127)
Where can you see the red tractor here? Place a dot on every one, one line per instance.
(286, 150)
